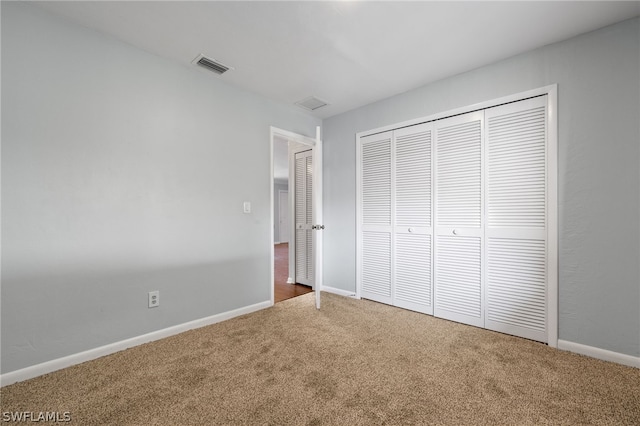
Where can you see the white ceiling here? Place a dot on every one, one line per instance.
(346, 53)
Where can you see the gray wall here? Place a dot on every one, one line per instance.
(276, 208)
(123, 173)
(598, 79)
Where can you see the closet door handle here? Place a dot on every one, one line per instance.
(455, 232)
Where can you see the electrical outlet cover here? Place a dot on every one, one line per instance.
(154, 299)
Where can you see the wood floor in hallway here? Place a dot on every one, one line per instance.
(284, 291)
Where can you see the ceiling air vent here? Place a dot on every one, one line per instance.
(211, 64)
(311, 103)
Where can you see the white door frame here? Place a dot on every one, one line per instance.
(552, 189)
(316, 145)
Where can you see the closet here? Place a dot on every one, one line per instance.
(453, 217)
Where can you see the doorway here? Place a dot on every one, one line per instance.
(294, 242)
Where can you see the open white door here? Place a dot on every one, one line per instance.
(317, 215)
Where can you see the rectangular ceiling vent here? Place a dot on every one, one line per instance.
(311, 103)
(211, 64)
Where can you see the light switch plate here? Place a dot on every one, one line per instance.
(246, 207)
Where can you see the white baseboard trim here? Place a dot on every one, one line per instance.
(290, 280)
(67, 361)
(598, 353)
(339, 291)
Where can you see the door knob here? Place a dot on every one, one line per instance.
(455, 232)
(318, 227)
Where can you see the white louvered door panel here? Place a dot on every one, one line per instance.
(516, 287)
(304, 217)
(459, 279)
(309, 255)
(516, 237)
(375, 259)
(412, 284)
(376, 266)
(459, 255)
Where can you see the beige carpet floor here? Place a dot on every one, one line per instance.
(353, 362)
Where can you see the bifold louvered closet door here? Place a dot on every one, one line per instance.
(375, 217)
(304, 216)
(516, 225)
(458, 211)
(396, 211)
(453, 218)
